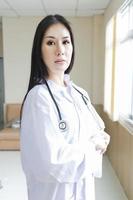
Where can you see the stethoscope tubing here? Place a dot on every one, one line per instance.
(50, 92)
(85, 99)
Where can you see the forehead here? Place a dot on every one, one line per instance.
(57, 30)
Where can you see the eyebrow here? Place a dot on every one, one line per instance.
(55, 38)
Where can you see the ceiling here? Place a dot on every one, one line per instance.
(75, 8)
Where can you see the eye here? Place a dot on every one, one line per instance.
(50, 42)
(65, 42)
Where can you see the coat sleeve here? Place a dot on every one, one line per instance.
(99, 136)
(45, 153)
(100, 133)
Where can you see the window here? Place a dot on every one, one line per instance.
(118, 98)
(124, 46)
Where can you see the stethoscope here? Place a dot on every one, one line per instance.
(62, 123)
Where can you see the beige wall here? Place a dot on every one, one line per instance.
(97, 72)
(17, 41)
(120, 151)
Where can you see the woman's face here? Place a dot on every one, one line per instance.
(57, 49)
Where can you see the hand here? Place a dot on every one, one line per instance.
(106, 137)
(101, 148)
(101, 141)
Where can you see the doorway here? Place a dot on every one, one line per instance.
(2, 93)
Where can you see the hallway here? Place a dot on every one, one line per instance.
(13, 186)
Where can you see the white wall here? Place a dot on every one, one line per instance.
(17, 43)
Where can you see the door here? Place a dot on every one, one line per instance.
(1, 93)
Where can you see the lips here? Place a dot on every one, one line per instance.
(60, 61)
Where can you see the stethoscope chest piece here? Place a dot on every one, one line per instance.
(63, 125)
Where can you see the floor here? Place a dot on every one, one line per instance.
(13, 185)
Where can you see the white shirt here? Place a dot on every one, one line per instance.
(59, 165)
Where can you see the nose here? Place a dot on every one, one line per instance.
(60, 49)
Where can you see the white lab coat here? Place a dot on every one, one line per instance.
(59, 165)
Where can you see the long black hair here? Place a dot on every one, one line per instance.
(39, 71)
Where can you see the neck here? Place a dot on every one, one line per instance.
(57, 79)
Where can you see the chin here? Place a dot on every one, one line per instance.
(62, 68)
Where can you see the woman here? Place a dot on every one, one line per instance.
(62, 136)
